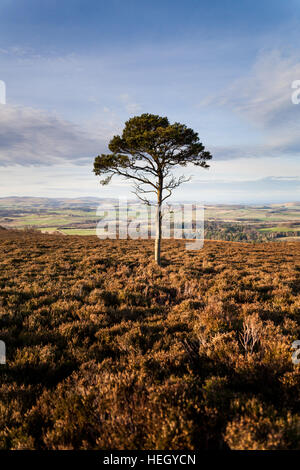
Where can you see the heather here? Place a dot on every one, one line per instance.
(107, 350)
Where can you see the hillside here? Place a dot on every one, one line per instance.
(106, 350)
(222, 222)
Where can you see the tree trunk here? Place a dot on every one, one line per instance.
(158, 225)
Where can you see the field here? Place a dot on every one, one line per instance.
(105, 350)
(79, 217)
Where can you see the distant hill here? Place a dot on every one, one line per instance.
(44, 202)
(79, 216)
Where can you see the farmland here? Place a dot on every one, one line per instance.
(106, 350)
(79, 217)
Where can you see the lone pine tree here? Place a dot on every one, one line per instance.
(146, 153)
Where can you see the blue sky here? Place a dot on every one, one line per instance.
(75, 71)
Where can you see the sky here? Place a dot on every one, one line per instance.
(76, 70)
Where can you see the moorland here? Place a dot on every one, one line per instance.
(106, 350)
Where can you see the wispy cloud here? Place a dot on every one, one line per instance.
(263, 98)
(270, 189)
(33, 137)
(129, 104)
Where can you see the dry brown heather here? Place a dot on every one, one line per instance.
(106, 350)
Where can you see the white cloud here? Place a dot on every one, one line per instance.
(33, 137)
(130, 106)
(263, 98)
(265, 95)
